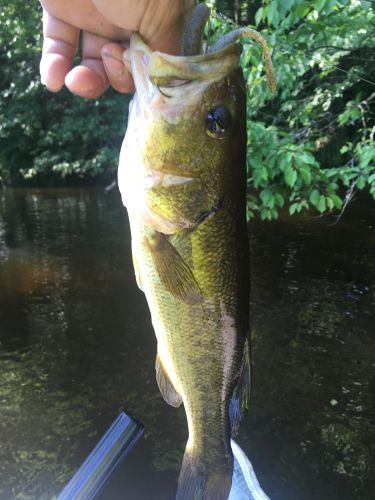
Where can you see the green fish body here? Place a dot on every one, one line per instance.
(182, 178)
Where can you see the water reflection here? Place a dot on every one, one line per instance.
(313, 318)
(76, 343)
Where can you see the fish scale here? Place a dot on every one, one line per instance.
(182, 176)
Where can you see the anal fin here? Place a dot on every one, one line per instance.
(166, 387)
(240, 400)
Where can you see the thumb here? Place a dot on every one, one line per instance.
(116, 62)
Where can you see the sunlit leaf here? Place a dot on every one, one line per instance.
(361, 182)
(321, 205)
(314, 197)
(319, 4)
(272, 13)
(290, 176)
(259, 16)
(305, 174)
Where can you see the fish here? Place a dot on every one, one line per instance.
(182, 178)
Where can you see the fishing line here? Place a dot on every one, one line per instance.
(326, 62)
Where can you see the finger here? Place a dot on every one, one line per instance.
(84, 15)
(123, 13)
(89, 79)
(117, 66)
(162, 24)
(59, 48)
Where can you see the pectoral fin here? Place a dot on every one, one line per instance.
(239, 402)
(174, 273)
(166, 387)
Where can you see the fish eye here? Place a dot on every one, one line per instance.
(218, 121)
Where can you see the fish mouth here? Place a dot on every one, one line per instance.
(157, 72)
(140, 55)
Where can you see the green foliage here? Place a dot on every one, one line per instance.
(312, 144)
(309, 146)
(49, 138)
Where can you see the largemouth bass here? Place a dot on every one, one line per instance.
(182, 177)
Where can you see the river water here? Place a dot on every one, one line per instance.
(76, 344)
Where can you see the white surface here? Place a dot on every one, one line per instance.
(245, 485)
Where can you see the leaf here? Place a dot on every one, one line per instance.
(366, 156)
(257, 176)
(329, 5)
(279, 200)
(264, 173)
(273, 14)
(305, 174)
(264, 214)
(346, 147)
(314, 197)
(290, 176)
(330, 203)
(259, 16)
(351, 114)
(337, 201)
(319, 4)
(302, 10)
(293, 208)
(284, 6)
(306, 157)
(267, 197)
(321, 206)
(361, 182)
(284, 162)
(249, 213)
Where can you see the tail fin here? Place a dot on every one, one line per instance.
(198, 481)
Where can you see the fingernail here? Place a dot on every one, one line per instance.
(111, 55)
(113, 65)
(126, 60)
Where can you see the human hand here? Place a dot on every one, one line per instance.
(106, 26)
